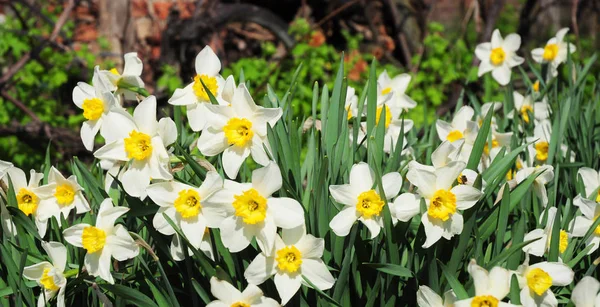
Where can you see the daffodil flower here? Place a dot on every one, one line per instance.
(362, 200)
(97, 106)
(581, 224)
(5, 217)
(351, 103)
(499, 56)
(535, 282)
(591, 183)
(28, 200)
(554, 53)
(443, 201)
(194, 95)
(131, 76)
(461, 127)
(184, 205)
(60, 196)
(49, 275)
(393, 128)
(585, 293)
(249, 210)
(142, 142)
(525, 106)
(103, 241)
(490, 287)
(227, 295)
(428, 298)
(539, 247)
(238, 131)
(396, 88)
(539, 184)
(485, 109)
(296, 255)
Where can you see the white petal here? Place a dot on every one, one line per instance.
(466, 196)
(122, 245)
(267, 180)
(585, 292)
(184, 96)
(160, 223)
(362, 177)
(343, 221)
(264, 116)
(447, 175)
(88, 132)
(98, 264)
(427, 298)
(406, 206)
(207, 62)
(235, 234)
(35, 272)
(224, 291)
(145, 116)
(57, 253)
(496, 39)
(165, 193)
(135, 181)
(116, 124)
(311, 247)
(73, 234)
(501, 74)
(373, 224)
(287, 212)
(433, 231)
(424, 180)
(197, 115)
(260, 269)
(287, 286)
(233, 158)
(316, 271)
(538, 55)
(112, 151)
(133, 64)
(167, 131)
(392, 182)
(511, 42)
(344, 194)
(537, 248)
(106, 218)
(590, 179)
(212, 142)
(482, 51)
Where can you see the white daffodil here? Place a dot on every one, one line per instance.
(461, 127)
(194, 95)
(499, 56)
(539, 184)
(131, 76)
(49, 275)
(142, 142)
(396, 88)
(535, 282)
(581, 224)
(296, 255)
(60, 196)
(238, 131)
(393, 128)
(250, 210)
(524, 106)
(428, 298)
(351, 103)
(28, 200)
(103, 241)
(227, 295)
(585, 293)
(539, 247)
(554, 53)
(591, 182)
(97, 105)
(485, 109)
(490, 287)
(538, 151)
(362, 200)
(5, 217)
(443, 201)
(205, 246)
(183, 204)
(499, 140)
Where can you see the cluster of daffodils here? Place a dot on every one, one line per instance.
(434, 193)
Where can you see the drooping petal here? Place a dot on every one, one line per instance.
(35, 272)
(432, 231)
(343, 221)
(233, 158)
(57, 253)
(287, 285)
(406, 206)
(98, 264)
(234, 234)
(316, 271)
(260, 269)
(428, 298)
(122, 246)
(133, 65)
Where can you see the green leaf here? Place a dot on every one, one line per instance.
(391, 269)
(129, 294)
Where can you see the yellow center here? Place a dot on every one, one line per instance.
(442, 205)
(536, 86)
(65, 194)
(525, 110)
(188, 203)
(550, 52)
(92, 108)
(486, 148)
(93, 239)
(27, 201)
(484, 301)
(564, 241)
(510, 174)
(239, 304)
(289, 259)
(541, 151)
(369, 204)
(598, 197)
(114, 71)
(238, 131)
(597, 230)
(48, 281)
(388, 116)
(200, 91)
(386, 90)
(497, 56)
(251, 206)
(138, 145)
(538, 281)
(349, 112)
(454, 135)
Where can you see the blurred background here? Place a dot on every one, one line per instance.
(47, 46)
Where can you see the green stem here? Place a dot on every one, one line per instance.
(139, 90)
(70, 273)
